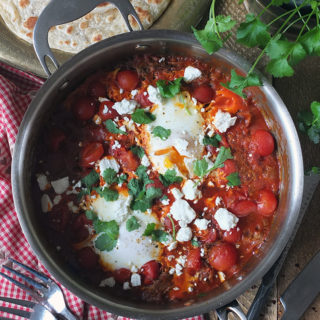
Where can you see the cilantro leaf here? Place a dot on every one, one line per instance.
(233, 179)
(311, 41)
(109, 175)
(111, 228)
(238, 83)
(313, 170)
(104, 243)
(280, 2)
(170, 89)
(91, 179)
(253, 32)
(132, 224)
(142, 117)
(223, 155)
(107, 194)
(153, 193)
(224, 23)
(161, 132)
(200, 167)
(309, 122)
(134, 187)
(213, 141)
(138, 151)
(160, 236)
(195, 243)
(170, 177)
(207, 37)
(122, 178)
(149, 229)
(112, 127)
(91, 215)
(280, 68)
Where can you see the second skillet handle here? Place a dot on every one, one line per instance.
(62, 11)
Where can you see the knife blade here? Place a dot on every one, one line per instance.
(302, 290)
(310, 185)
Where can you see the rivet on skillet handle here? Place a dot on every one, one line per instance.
(62, 11)
(233, 307)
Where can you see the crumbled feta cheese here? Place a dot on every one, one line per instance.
(57, 199)
(165, 202)
(46, 204)
(162, 59)
(102, 99)
(223, 121)
(123, 128)
(134, 92)
(226, 220)
(107, 163)
(172, 271)
(125, 106)
(202, 252)
(176, 193)
(145, 161)
(172, 246)
(184, 234)
(194, 100)
(191, 73)
(190, 190)
(110, 282)
(105, 109)
(178, 269)
(218, 201)
(222, 276)
(182, 212)
(154, 95)
(182, 260)
(120, 90)
(176, 289)
(126, 286)
(190, 289)
(60, 185)
(202, 224)
(136, 280)
(42, 182)
(170, 258)
(116, 145)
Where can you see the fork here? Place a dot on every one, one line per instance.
(38, 312)
(46, 292)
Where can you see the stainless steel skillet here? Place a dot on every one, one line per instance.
(110, 52)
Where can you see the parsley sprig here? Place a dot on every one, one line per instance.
(253, 32)
(309, 122)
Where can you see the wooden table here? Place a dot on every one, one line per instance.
(297, 93)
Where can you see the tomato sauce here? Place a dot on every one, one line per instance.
(99, 149)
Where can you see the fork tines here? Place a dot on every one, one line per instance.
(17, 312)
(30, 281)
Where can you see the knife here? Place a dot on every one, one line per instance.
(310, 185)
(302, 291)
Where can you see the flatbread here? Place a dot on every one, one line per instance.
(103, 22)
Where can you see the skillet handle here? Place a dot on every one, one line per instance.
(62, 11)
(233, 307)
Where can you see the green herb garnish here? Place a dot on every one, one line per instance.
(195, 243)
(161, 132)
(213, 141)
(107, 194)
(138, 151)
(170, 177)
(91, 179)
(132, 224)
(233, 179)
(143, 117)
(169, 89)
(108, 233)
(113, 128)
(156, 234)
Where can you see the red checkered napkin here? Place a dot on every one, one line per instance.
(17, 89)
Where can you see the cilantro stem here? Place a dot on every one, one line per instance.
(213, 17)
(265, 9)
(281, 16)
(304, 26)
(294, 22)
(299, 13)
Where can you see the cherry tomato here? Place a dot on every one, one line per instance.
(55, 139)
(106, 111)
(150, 271)
(168, 224)
(263, 142)
(96, 133)
(122, 275)
(222, 256)
(204, 93)
(228, 101)
(194, 260)
(142, 99)
(87, 258)
(267, 202)
(128, 79)
(244, 208)
(126, 158)
(229, 167)
(96, 89)
(92, 152)
(84, 108)
(233, 235)
(209, 236)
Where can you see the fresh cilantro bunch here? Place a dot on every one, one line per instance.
(309, 122)
(283, 54)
